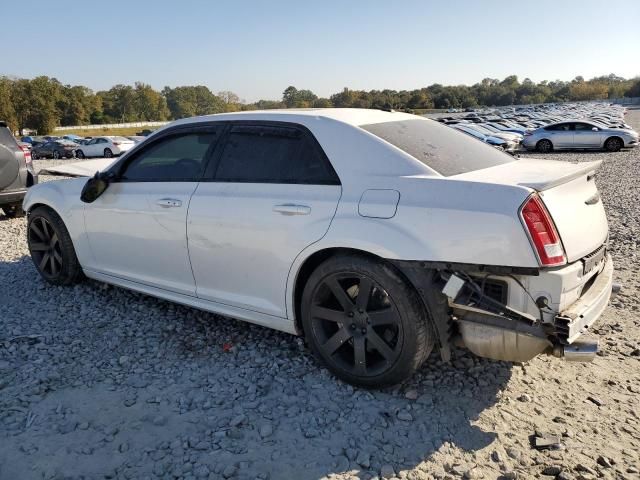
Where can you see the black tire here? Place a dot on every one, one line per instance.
(371, 341)
(56, 155)
(613, 144)
(13, 211)
(108, 153)
(544, 146)
(51, 248)
(79, 154)
(34, 155)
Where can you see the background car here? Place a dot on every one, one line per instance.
(16, 173)
(55, 149)
(105, 147)
(579, 135)
(506, 145)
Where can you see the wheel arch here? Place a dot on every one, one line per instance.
(604, 144)
(314, 260)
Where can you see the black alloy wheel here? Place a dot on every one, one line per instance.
(45, 247)
(364, 321)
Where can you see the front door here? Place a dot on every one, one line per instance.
(585, 136)
(270, 193)
(137, 227)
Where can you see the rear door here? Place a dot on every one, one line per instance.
(9, 166)
(561, 135)
(270, 192)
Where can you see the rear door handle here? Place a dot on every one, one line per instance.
(292, 209)
(169, 202)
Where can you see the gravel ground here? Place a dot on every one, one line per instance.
(99, 382)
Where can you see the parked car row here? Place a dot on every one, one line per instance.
(78, 147)
(545, 128)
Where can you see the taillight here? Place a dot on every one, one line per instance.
(542, 232)
(116, 143)
(27, 154)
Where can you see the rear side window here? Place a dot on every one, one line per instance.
(265, 154)
(439, 147)
(176, 158)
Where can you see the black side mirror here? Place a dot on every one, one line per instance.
(95, 187)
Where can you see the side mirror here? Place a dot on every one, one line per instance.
(94, 187)
(594, 129)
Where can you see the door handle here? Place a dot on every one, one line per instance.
(169, 202)
(292, 209)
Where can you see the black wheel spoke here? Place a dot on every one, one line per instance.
(45, 229)
(328, 314)
(38, 247)
(359, 356)
(43, 261)
(340, 294)
(58, 257)
(382, 317)
(364, 292)
(380, 345)
(337, 340)
(54, 240)
(34, 228)
(53, 266)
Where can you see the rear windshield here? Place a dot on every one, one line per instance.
(439, 147)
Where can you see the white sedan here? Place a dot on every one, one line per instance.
(378, 236)
(105, 147)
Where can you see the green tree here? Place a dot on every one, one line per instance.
(7, 110)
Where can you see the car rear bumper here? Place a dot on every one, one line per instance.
(574, 321)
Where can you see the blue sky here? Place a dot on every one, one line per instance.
(257, 48)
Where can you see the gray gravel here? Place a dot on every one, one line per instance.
(99, 382)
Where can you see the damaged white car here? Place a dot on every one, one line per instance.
(378, 236)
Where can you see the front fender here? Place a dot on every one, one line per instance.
(63, 197)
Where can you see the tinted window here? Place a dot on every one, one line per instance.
(175, 158)
(441, 148)
(583, 127)
(261, 154)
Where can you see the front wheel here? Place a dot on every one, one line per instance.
(108, 153)
(56, 154)
(79, 154)
(51, 248)
(613, 144)
(364, 322)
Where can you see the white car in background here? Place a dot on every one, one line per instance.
(105, 147)
(377, 236)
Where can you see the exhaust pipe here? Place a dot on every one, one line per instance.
(580, 351)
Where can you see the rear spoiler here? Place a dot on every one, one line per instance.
(570, 172)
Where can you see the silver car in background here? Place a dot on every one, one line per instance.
(582, 134)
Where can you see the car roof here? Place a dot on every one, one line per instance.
(351, 116)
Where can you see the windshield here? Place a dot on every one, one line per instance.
(439, 147)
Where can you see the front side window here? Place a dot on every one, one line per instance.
(265, 154)
(583, 127)
(176, 158)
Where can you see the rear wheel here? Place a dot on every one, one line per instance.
(108, 153)
(13, 211)
(613, 144)
(51, 248)
(544, 146)
(364, 322)
(56, 154)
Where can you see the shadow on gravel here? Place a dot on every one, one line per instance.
(121, 384)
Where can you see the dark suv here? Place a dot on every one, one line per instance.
(16, 173)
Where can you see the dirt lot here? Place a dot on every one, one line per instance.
(99, 382)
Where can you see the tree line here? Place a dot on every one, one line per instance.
(42, 103)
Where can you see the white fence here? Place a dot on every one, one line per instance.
(112, 125)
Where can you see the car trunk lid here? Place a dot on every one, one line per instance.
(569, 192)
